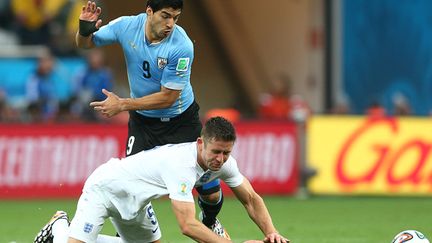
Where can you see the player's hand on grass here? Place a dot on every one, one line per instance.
(275, 238)
(110, 106)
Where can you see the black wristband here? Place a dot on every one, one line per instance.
(86, 28)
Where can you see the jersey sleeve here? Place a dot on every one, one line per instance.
(177, 73)
(179, 185)
(231, 174)
(108, 34)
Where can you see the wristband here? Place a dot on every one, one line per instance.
(86, 28)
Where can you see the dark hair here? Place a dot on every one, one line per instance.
(218, 128)
(157, 5)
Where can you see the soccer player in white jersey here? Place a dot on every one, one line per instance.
(162, 107)
(122, 189)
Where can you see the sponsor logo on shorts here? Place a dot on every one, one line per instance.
(154, 231)
(88, 228)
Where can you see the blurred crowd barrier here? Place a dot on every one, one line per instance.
(350, 155)
(53, 161)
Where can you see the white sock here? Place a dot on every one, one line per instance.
(60, 231)
(107, 239)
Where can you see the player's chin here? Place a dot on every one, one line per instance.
(215, 168)
(164, 34)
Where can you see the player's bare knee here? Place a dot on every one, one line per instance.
(72, 240)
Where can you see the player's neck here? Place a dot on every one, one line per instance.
(153, 40)
(150, 37)
(200, 160)
(201, 163)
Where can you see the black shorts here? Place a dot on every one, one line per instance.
(146, 132)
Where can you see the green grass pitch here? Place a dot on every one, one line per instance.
(312, 220)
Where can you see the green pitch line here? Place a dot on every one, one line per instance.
(317, 219)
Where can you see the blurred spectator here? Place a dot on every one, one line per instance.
(41, 90)
(279, 103)
(300, 110)
(65, 112)
(3, 107)
(64, 26)
(96, 76)
(276, 103)
(5, 14)
(341, 105)
(7, 114)
(340, 109)
(231, 114)
(33, 19)
(46, 22)
(376, 110)
(401, 105)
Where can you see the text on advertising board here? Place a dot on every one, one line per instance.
(387, 156)
(370, 156)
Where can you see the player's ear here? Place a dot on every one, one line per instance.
(200, 143)
(149, 11)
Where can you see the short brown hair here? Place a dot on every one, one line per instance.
(218, 128)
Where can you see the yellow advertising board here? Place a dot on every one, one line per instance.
(357, 155)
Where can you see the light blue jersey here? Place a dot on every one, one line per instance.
(150, 66)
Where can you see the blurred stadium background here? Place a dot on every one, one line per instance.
(331, 100)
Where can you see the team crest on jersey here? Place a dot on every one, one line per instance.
(162, 62)
(182, 64)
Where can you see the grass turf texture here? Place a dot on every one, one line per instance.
(314, 220)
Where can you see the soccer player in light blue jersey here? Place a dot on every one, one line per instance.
(162, 107)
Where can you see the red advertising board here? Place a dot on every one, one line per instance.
(267, 154)
(38, 161)
(53, 161)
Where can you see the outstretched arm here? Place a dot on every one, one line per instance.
(89, 23)
(190, 226)
(258, 212)
(113, 104)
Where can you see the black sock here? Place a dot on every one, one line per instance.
(210, 211)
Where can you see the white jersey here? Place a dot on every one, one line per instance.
(131, 183)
